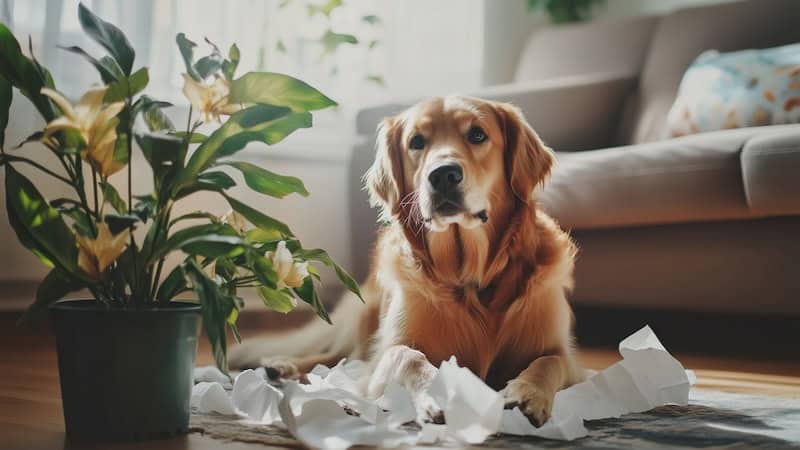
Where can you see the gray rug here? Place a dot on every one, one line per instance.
(712, 420)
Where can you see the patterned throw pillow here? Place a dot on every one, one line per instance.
(739, 89)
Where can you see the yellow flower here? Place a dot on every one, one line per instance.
(95, 255)
(96, 125)
(210, 98)
(235, 220)
(290, 274)
(238, 223)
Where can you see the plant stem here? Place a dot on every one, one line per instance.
(94, 190)
(7, 157)
(167, 207)
(80, 188)
(129, 145)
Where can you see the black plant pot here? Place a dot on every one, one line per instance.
(126, 374)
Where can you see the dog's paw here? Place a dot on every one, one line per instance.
(279, 368)
(428, 410)
(535, 403)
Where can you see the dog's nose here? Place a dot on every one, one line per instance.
(445, 178)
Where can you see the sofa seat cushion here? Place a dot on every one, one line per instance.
(732, 174)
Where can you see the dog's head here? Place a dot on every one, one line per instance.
(453, 159)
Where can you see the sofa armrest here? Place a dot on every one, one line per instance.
(771, 171)
(570, 113)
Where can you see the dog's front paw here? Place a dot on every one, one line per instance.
(535, 403)
(280, 368)
(428, 410)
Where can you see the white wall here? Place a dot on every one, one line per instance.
(433, 47)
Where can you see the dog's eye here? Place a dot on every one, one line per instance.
(476, 135)
(417, 142)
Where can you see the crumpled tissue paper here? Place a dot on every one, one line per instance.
(330, 412)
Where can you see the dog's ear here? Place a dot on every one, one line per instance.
(384, 178)
(527, 160)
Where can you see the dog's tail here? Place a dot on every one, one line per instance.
(315, 342)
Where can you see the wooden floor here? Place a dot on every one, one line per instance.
(30, 404)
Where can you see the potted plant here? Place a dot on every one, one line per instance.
(126, 354)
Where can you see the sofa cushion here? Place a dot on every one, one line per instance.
(690, 179)
(681, 36)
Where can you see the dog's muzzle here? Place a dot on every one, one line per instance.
(447, 197)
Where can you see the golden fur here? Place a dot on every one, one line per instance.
(487, 284)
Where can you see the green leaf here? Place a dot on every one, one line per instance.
(173, 284)
(280, 46)
(81, 221)
(208, 65)
(194, 138)
(277, 89)
(111, 65)
(180, 238)
(111, 195)
(331, 41)
(153, 116)
(121, 154)
(186, 47)
(262, 235)
(109, 37)
(229, 65)
(260, 123)
(263, 271)
(215, 246)
(38, 225)
(371, 19)
(217, 307)
(53, 287)
(324, 8)
(5, 106)
(107, 74)
(163, 153)
(44, 74)
(377, 79)
(257, 218)
(308, 293)
(276, 300)
(268, 183)
(318, 254)
(208, 181)
(225, 268)
(232, 318)
(23, 73)
(126, 87)
(118, 222)
(193, 216)
(145, 207)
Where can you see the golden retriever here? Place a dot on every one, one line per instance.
(466, 265)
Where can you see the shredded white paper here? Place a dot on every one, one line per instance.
(330, 413)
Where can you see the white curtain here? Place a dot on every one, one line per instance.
(273, 35)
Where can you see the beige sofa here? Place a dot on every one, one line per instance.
(709, 222)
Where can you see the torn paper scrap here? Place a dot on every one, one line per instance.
(331, 411)
(210, 397)
(560, 428)
(319, 421)
(256, 399)
(471, 408)
(647, 377)
(212, 375)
